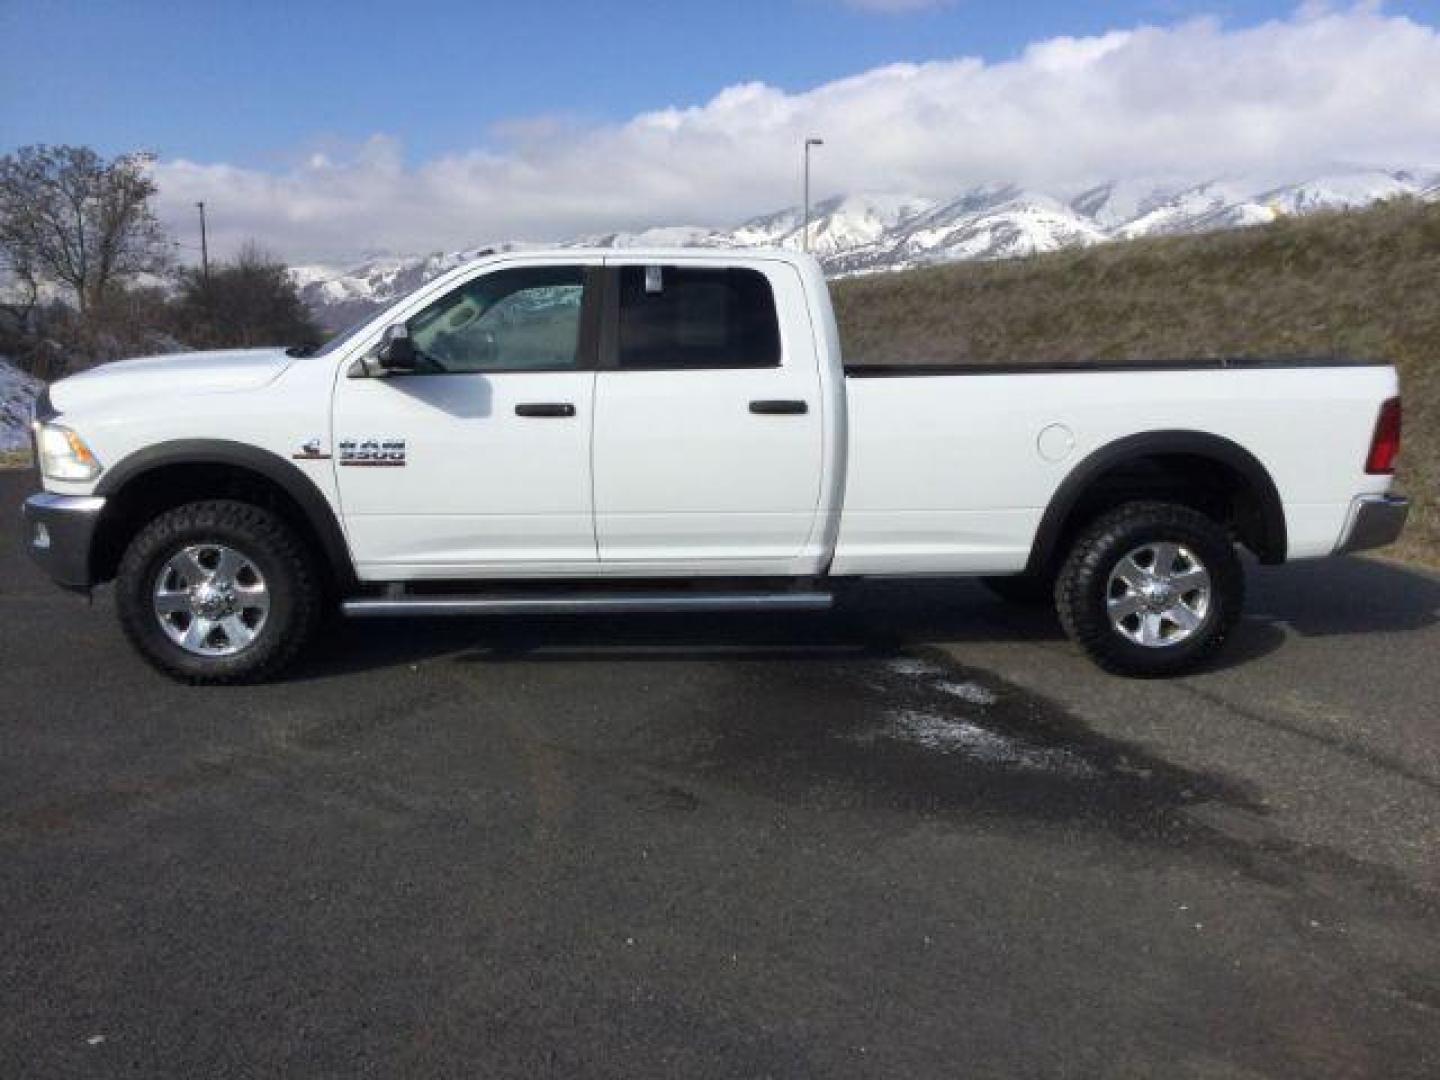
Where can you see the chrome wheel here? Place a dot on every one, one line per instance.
(211, 600)
(1158, 595)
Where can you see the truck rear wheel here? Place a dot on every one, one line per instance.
(218, 592)
(1151, 589)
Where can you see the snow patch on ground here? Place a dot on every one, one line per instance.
(968, 691)
(972, 692)
(17, 400)
(913, 665)
(950, 735)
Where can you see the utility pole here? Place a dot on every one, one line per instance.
(805, 230)
(204, 247)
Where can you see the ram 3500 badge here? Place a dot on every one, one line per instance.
(372, 451)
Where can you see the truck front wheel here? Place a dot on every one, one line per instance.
(1151, 589)
(218, 592)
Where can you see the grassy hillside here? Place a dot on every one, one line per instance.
(1365, 283)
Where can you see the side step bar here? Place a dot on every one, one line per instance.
(588, 604)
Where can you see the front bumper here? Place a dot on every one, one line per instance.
(58, 534)
(1375, 520)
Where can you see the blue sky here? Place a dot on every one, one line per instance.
(254, 82)
(325, 130)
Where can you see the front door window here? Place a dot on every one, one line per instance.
(525, 319)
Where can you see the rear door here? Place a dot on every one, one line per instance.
(708, 419)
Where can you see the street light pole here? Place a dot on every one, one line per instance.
(204, 246)
(805, 230)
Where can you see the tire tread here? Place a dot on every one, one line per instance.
(272, 653)
(1091, 557)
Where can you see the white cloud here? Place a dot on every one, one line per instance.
(1194, 100)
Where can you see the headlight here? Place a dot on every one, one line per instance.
(63, 454)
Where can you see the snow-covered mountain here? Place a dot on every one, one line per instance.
(837, 225)
(1118, 202)
(17, 396)
(1221, 204)
(664, 236)
(873, 232)
(987, 223)
(1215, 204)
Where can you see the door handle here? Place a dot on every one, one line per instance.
(779, 408)
(545, 408)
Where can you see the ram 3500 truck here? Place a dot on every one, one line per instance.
(603, 431)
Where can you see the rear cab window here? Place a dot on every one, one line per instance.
(690, 317)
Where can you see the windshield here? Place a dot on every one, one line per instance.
(344, 336)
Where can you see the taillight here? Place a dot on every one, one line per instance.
(1385, 446)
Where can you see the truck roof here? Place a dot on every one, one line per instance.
(657, 254)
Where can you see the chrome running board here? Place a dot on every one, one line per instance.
(588, 604)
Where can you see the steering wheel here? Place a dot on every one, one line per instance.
(461, 316)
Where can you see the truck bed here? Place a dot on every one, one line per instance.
(953, 474)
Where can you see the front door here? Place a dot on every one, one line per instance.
(708, 420)
(478, 463)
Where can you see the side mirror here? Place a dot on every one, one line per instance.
(396, 352)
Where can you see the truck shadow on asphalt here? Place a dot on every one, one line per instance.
(860, 711)
(822, 714)
(1344, 596)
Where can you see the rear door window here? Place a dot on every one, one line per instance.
(682, 317)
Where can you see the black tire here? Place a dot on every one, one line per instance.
(280, 556)
(1023, 590)
(1083, 590)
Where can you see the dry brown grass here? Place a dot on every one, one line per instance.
(1364, 284)
(15, 459)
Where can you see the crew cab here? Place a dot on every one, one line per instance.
(640, 431)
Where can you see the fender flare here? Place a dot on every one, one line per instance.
(302, 490)
(1272, 542)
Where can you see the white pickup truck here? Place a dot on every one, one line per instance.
(598, 431)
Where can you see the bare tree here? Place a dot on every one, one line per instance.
(71, 218)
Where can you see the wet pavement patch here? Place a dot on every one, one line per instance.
(846, 714)
(916, 732)
(840, 714)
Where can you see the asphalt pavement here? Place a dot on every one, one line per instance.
(922, 837)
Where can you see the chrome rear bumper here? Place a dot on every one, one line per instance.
(1375, 520)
